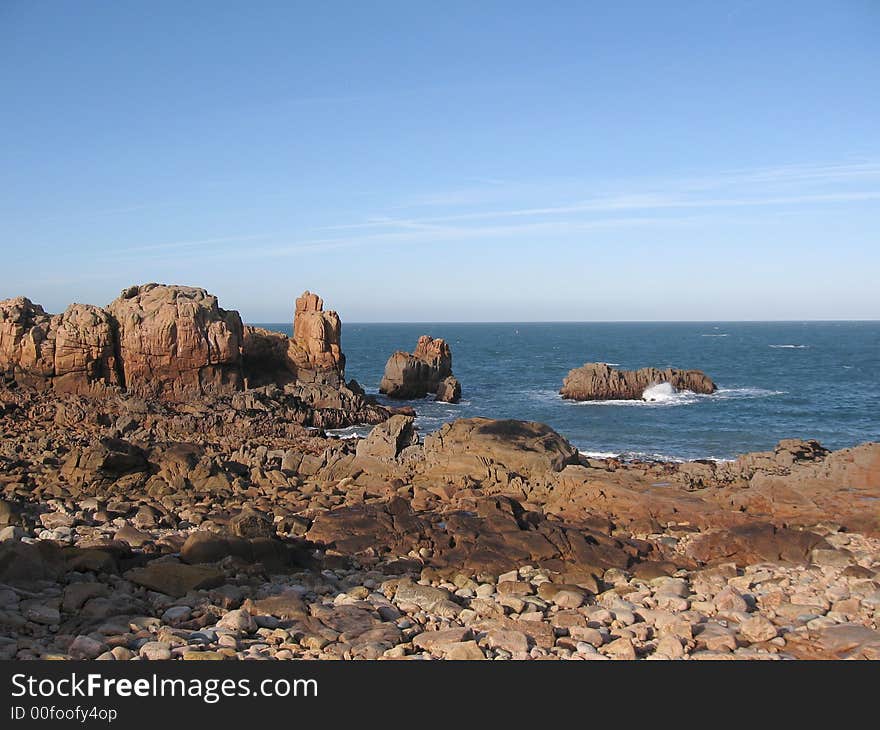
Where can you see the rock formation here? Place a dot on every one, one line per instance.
(317, 334)
(176, 343)
(598, 381)
(312, 355)
(426, 370)
(73, 352)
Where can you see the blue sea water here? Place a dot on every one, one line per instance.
(776, 380)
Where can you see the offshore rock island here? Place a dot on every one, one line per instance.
(168, 491)
(426, 370)
(599, 381)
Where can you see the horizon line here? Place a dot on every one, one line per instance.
(601, 321)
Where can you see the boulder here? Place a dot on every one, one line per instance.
(599, 381)
(754, 543)
(414, 375)
(499, 535)
(108, 458)
(388, 439)
(476, 447)
(176, 343)
(175, 579)
(449, 390)
(250, 523)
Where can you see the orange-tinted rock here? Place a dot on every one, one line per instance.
(27, 343)
(85, 349)
(317, 334)
(175, 342)
(312, 355)
(74, 351)
(599, 381)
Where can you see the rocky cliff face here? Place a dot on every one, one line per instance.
(73, 352)
(175, 342)
(598, 381)
(426, 370)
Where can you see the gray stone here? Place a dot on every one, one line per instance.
(85, 647)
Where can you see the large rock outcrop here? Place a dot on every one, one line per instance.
(599, 381)
(175, 342)
(73, 352)
(426, 370)
(312, 355)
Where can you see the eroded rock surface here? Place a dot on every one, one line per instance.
(175, 342)
(74, 352)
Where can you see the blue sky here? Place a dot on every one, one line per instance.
(447, 162)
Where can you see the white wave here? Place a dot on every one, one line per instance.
(612, 364)
(650, 456)
(789, 347)
(730, 393)
(349, 432)
(715, 335)
(443, 403)
(634, 456)
(660, 392)
(663, 395)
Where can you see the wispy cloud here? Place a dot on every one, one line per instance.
(772, 185)
(435, 235)
(192, 244)
(623, 203)
(683, 201)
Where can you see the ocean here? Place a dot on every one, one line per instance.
(775, 380)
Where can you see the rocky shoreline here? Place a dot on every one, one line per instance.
(201, 516)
